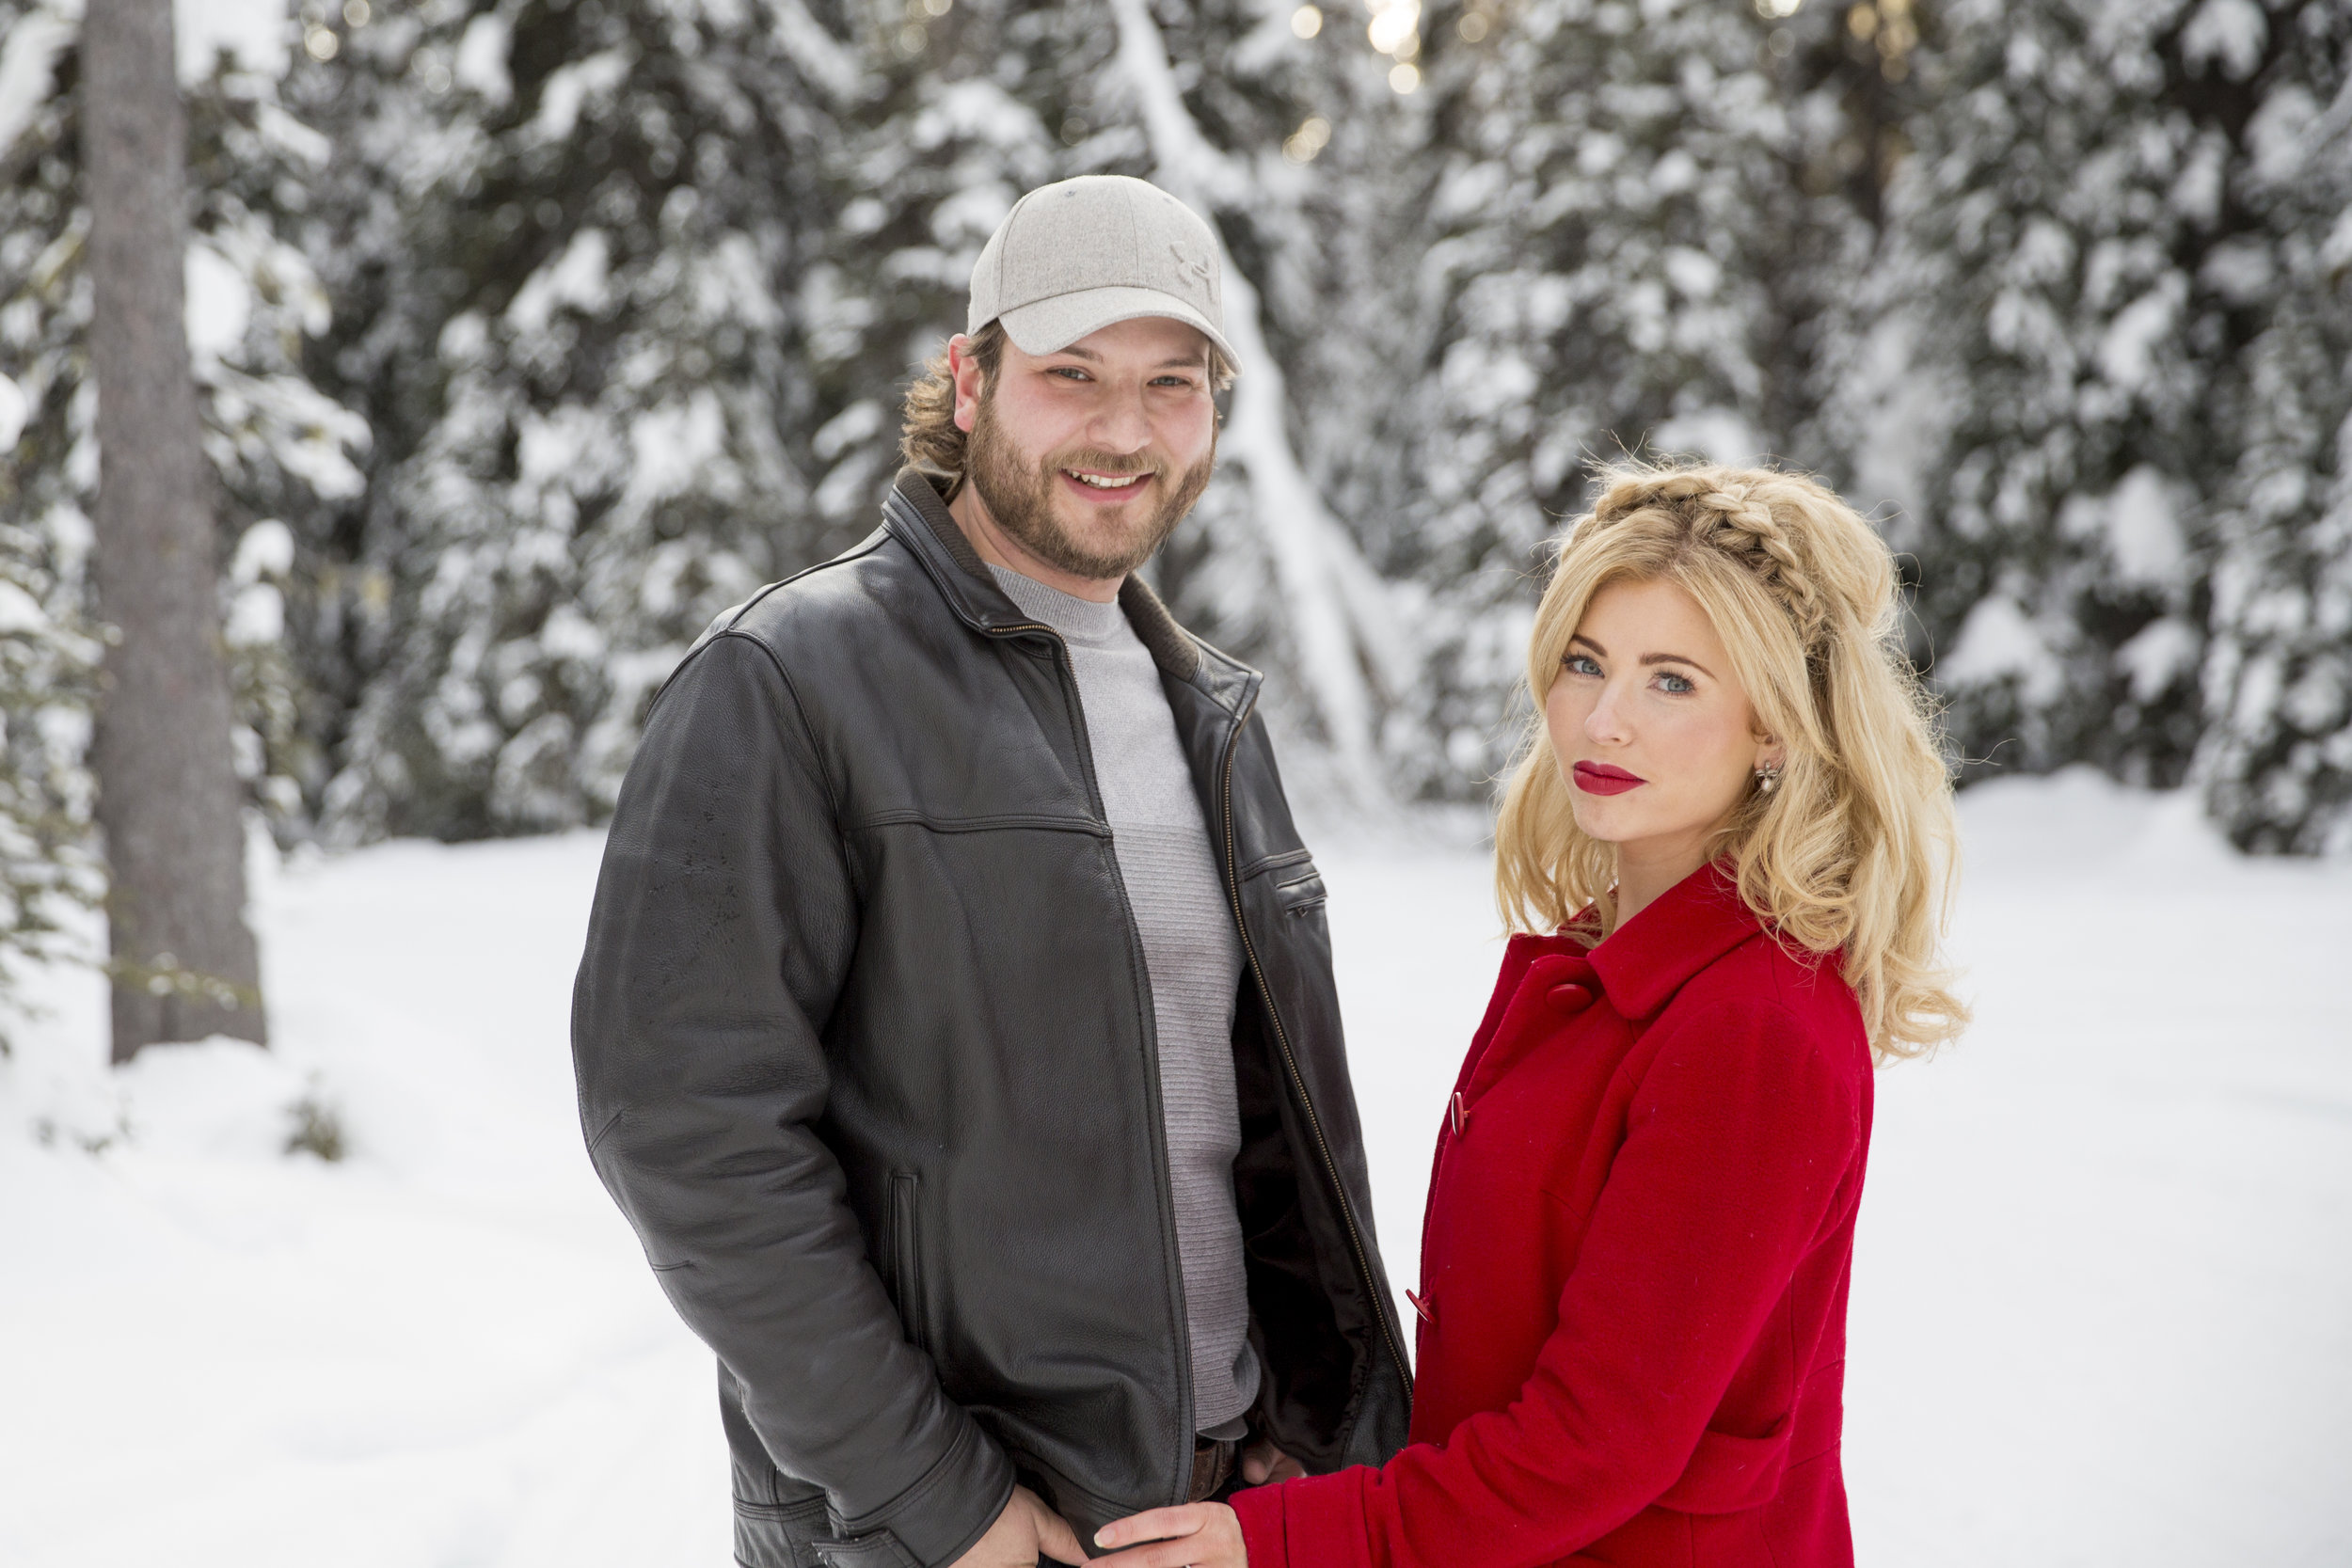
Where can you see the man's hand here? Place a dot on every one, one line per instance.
(1025, 1529)
(1262, 1462)
(1197, 1535)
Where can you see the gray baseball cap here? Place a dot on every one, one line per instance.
(1072, 258)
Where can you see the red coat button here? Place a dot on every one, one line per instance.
(1571, 999)
(1421, 1305)
(1460, 1113)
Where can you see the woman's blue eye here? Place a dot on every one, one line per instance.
(1674, 683)
(1580, 664)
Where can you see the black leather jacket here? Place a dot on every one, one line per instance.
(866, 1055)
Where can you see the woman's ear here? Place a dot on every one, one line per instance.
(1770, 755)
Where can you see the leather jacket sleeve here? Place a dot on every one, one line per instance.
(724, 923)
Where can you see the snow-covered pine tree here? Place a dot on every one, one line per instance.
(48, 658)
(281, 449)
(1619, 252)
(1228, 103)
(2052, 381)
(518, 485)
(962, 112)
(2277, 755)
(581, 227)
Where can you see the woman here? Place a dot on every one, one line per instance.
(1726, 848)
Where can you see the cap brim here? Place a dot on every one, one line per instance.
(1050, 326)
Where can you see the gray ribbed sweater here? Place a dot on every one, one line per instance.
(1162, 840)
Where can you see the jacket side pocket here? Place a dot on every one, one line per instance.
(906, 1264)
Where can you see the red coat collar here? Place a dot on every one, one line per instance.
(1646, 960)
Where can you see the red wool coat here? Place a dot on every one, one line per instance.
(1634, 1270)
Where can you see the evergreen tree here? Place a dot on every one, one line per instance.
(278, 447)
(2276, 757)
(48, 657)
(2053, 381)
(630, 296)
(1223, 99)
(577, 232)
(1621, 254)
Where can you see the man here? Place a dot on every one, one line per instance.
(957, 1024)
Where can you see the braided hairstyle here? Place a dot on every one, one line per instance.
(1853, 852)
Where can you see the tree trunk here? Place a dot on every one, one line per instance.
(182, 961)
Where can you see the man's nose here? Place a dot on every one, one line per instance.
(1120, 424)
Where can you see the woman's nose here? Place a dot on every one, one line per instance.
(1603, 723)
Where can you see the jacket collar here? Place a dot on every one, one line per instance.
(916, 512)
(1645, 960)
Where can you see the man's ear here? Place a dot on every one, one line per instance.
(966, 372)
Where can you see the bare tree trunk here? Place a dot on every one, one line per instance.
(182, 960)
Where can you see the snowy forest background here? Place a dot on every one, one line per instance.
(533, 333)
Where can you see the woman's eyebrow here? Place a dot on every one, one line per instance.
(1579, 637)
(1679, 658)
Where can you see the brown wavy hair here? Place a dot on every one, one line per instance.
(1857, 851)
(927, 437)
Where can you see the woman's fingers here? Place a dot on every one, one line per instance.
(1197, 1535)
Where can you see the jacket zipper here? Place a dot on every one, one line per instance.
(1173, 1256)
(1290, 1061)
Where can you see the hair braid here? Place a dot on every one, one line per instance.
(1744, 510)
(1732, 512)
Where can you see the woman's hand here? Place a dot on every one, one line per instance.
(1197, 1535)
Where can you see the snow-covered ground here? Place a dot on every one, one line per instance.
(2102, 1305)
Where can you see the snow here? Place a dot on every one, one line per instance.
(1998, 639)
(2143, 532)
(2229, 31)
(257, 35)
(15, 409)
(219, 303)
(481, 64)
(27, 57)
(2101, 1313)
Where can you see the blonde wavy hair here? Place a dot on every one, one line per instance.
(1855, 850)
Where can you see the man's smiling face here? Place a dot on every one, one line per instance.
(1088, 458)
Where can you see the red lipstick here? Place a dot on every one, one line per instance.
(1599, 778)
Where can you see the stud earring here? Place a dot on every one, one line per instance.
(1766, 778)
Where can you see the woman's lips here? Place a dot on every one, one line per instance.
(1599, 778)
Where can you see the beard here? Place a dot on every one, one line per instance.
(1020, 496)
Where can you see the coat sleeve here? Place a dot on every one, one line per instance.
(724, 926)
(1739, 1138)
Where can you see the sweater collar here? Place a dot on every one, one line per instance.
(1649, 958)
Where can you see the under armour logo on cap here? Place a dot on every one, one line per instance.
(1075, 257)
